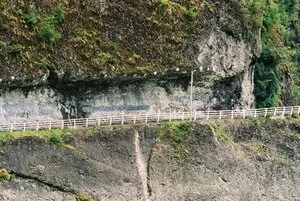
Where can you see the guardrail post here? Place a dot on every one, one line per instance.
(207, 117)
(11, 127)
(182, 116)
(231, 114)
(170, 117)
(298, 110)
(134, 119)
(292, 110)
(50, 125)
(195, 115)
(275, 110)
(283, 112)
(74, 121)
(24, 127)
(86, 122)
(122, 118)
(62, 124)
(220, 114)
(146, 120)
(255, 113)
(37, 126)
(99, 121)
(158, 115)
(266, 112)
(244, 114)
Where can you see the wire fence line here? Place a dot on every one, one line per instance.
(134, 118)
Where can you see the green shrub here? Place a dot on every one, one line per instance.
(56, 138)
(16, 49)
(163, 2)
(82, 197)
(47, 31)
(180, 131)
(58, 15)
(4, 175)
(176, 130)
(31, 17)
(193, 13)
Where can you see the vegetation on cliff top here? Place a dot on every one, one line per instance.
(92, 38)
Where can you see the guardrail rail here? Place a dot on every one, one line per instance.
(134, 118)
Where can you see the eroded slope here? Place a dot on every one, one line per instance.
(223, 160)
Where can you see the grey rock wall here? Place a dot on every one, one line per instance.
(249, 161)
(223, 80)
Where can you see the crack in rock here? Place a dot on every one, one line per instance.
(141, 165)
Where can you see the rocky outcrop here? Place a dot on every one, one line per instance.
(27, 189)
(107, 56)
(221, 160)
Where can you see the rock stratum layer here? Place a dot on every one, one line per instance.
(81, 58)
(223, 160)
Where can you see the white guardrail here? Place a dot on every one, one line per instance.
(134, 118)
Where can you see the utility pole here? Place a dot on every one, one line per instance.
(191, 92)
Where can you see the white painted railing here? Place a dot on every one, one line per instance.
(135, 118)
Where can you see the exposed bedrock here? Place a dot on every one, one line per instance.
(223, 160)
(113, 57)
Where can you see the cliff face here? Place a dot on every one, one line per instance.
(79, 57)
(223, 160)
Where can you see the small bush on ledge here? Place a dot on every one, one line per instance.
(31, 17)
(56, 138)
(192, 13)
(4, 175)
(16, 49)
(82, 197)
(163, 3)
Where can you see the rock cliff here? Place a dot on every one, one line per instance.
(81, 58)
(220, 160)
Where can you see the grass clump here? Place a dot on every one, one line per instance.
(16, 49)
(163, 3)
(104, 56)
(220, 133)
(262, 149)
(82, 197)
(4, 175)
(58, 15)
(47, 29)
(56, 138)
(192, 13)
(31, 17)
(42, 134)
(178, 132)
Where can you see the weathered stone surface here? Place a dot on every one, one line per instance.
(27, 190)
(95, 98)
(241, 160)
